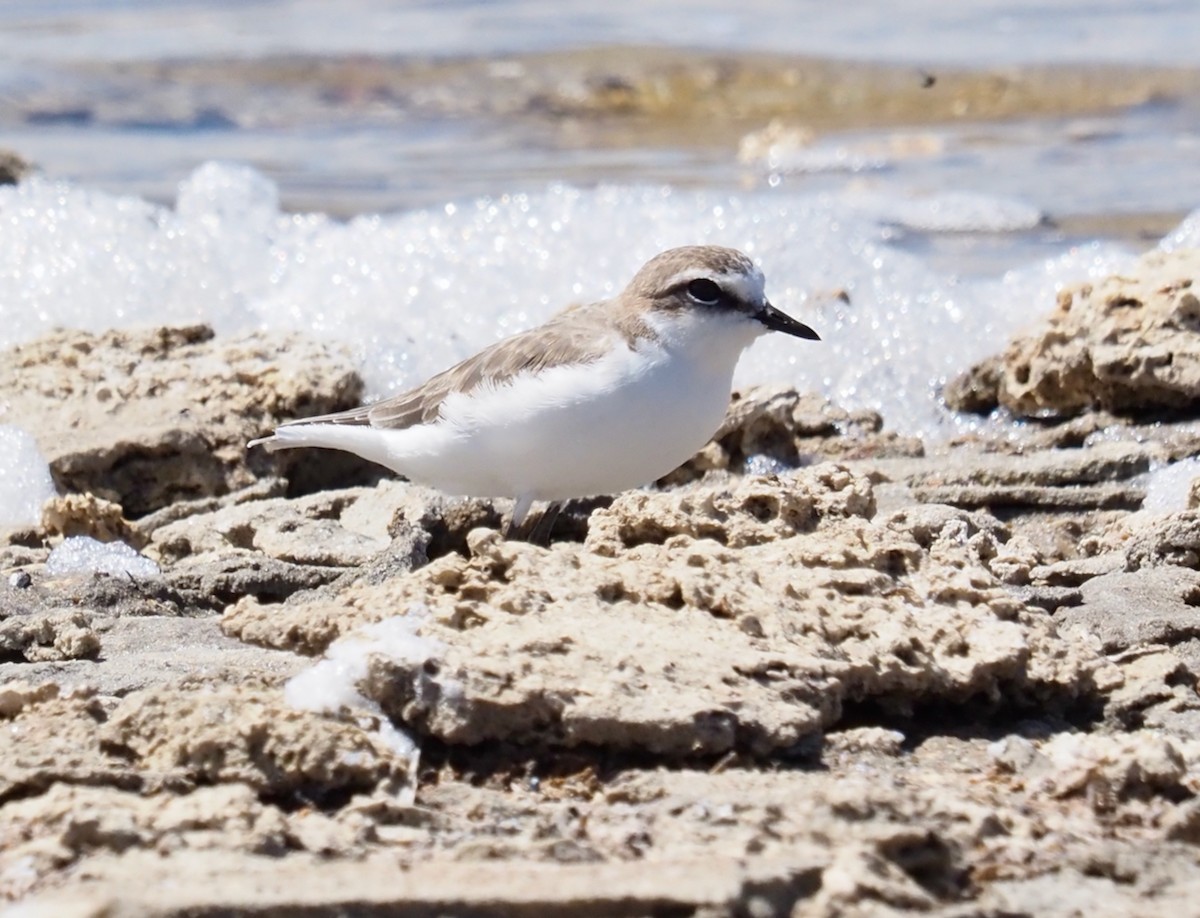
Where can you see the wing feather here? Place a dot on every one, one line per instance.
(580, 334)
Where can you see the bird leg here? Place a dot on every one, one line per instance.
(512, 528)
(540, 533)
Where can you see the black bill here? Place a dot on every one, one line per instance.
(782, 322)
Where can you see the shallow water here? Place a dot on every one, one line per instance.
(978, 32)
(378, 136)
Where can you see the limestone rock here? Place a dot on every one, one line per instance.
(1127, 345)
(792, 428)
(1131, 609)
(150, 651)
(50, 635)
(69, 823)
(817, 605)
(1173, 541)
(89, 515)
(1103, 767)
(1094, 476)
(179, 739)
(16, 695)
(146, 418)
(306, 531)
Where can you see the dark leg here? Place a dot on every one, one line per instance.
(512, 529)
(540, 533)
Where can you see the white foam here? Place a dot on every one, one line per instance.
(83, 555)
(1184, 236)
(415, 292)
(25, 482)
(1167, 486)
(332, 684)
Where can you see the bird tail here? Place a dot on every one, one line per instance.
(362, 441)
(291, 438)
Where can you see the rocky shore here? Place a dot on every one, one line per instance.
(956, 678)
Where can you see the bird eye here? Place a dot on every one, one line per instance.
(704, 292)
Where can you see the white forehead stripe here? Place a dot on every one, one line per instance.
(748, 286)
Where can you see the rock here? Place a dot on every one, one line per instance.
(261, 489)
(1131, 609)
(976, 390)
(147, 418)
(991, 690)
(1109, 768)
(1077, 571)
(1157, 690)
(579, 645)
(1095, 476)
(69, 823)
(1126, 345)
(791, 428)
(13, 167)
(861, 741)
(15, 696)
(153, 652)
(53, 635)
(212, 582)
(306, 531)
(176, 740)
(89, 515)
(275, 547)
(101, 594)
(221, 882)
(748, 511)
(1173, 540)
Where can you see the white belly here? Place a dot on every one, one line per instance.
(611, 425)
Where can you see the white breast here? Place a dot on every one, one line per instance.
(580, 430)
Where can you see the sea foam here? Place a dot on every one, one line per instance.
(25, 482)
(414, 292)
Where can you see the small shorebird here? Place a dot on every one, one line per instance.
(601, 398)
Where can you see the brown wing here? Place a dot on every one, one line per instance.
(577, 335)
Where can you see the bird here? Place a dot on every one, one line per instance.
(600, 399)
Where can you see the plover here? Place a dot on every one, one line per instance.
(601, 398)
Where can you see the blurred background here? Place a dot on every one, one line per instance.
(1088, 109)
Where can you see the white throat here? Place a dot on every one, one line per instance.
(715, 339)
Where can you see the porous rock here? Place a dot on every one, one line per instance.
(1094, 476)
(1101, 768)
(275, 547)
(148, 417)
(16, 695)
(88, 515)
(1125, 344)
(59, 634)
(68, 823)
(178, 739)
(816, 605)
(305, 531)
(1131, 609)
(1172, 540)
(792, 428)
(155, 651)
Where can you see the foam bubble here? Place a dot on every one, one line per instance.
(1167, 487)
(25, 482)
(332, 683)
(83, 555)
(414, 292)
(1184, 236)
